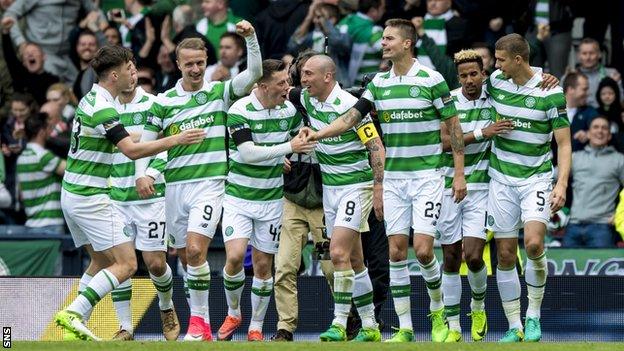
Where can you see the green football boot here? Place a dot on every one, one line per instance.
(368, 335)
(402, 335)
(479, 326)
(532, 330)
(72, 322)
(334, 333)
(513, 335)
(453, 336)
(439, 326)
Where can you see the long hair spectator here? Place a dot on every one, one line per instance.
(609, 104)
(61, 93)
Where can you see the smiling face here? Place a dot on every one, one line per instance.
(599, 133)
(20, 110)
(192, 64)
(315, 78)
(86, 47)
(275, 88)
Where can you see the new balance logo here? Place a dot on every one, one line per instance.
(386, 93)
(501, 96)
(258, 126)
(347, 219)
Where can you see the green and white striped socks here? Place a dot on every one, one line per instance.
(401, 289)
(121, 297)
(198, 280)
(234, 285)
(164, 289)
(343, 291)
(100, 285)
(363, 299)
(261, 290)
(431, 273)
(452, 288)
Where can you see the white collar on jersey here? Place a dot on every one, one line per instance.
(412, 71)
(462, 98)
(535, 80)
(181, 92)
(137, 97)
(105, 93)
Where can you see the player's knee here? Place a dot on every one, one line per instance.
(193, 254)
(397, 254)
(474, 261)
(156, 267)
(424, 256)
(339, 256)
(506, 258)
(534, 248)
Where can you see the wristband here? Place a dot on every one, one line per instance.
(478, 134)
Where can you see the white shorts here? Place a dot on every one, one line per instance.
(147, 222)
(94, 220)
(412, 202)
(509, 207)
(466, 218)
(193, 207)
(260, 222)
(347, 207)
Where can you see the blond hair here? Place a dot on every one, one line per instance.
(466, 56)
(65, 92)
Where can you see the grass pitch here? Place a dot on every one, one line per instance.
(310, 346)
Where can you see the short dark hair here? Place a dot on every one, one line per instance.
(365, 5)
(600, 117)
(34, 124)
(482, 45)
(590, 41)
(466, 56)
(270, 66)
(297, 64)
(190, 43)
(237, 39)
(26, 99)
(109, 57)
(406, 27)
(515, 44)
(571, 80)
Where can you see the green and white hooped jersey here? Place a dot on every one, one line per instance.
(524, 155)
(343, 159)
(475, 114)
(259, 181)
(177, 110)
(366, 50)
(134, 116)
(410, 109)
(40, 186)
(90, 158)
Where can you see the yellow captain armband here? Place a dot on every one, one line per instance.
(367, 132)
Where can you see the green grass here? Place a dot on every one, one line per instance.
(310, 346)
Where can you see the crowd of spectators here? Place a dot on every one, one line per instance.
(47, 46)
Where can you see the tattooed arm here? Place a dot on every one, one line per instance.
(457, 145)
(377, 160)
(346, 121)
